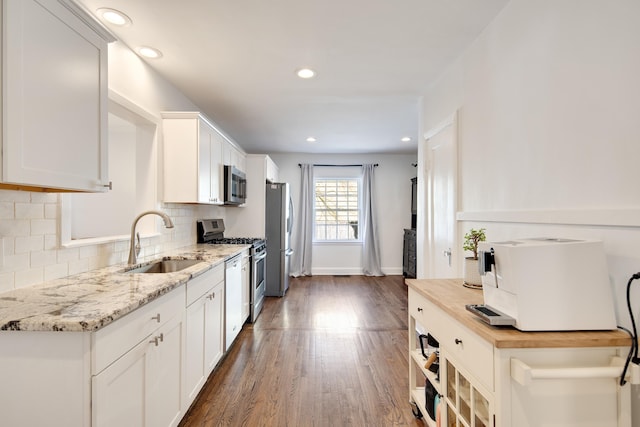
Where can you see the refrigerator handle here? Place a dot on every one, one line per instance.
(289, 252)
(290, 228)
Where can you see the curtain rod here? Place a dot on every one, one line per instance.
(336, 166)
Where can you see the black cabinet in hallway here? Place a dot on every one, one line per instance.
(409, 253)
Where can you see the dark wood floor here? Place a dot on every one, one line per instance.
(333, 352)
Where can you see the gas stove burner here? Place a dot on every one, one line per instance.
(212, 231)
(236, 240)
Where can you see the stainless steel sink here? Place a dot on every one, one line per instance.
(165, 266)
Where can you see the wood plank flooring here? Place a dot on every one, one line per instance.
(333, 352)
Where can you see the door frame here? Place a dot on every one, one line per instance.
(424, 224)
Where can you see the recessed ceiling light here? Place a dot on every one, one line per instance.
(114, 17)
(149, 52)
(305, 73)
(405, 139)
(311, 139)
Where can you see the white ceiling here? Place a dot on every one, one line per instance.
(236, 60)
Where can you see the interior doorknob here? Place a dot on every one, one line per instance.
(447, 253)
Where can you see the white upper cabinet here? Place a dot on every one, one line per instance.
(192, 159)
(54, 97)
(233, 156)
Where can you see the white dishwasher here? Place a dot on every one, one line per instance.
(233, 299)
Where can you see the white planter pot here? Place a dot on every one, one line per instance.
(470, 273)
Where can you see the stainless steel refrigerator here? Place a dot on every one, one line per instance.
(279, 223)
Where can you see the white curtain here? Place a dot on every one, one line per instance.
(370, 248)
(301, 260)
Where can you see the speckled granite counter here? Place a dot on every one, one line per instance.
(92, 300)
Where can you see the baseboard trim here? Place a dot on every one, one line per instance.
(352, 271)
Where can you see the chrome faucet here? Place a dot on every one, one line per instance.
(134, 249)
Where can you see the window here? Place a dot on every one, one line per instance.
(336, 209)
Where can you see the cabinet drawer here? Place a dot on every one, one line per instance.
(198, 286)
(469, 352)
(417, 305)
(115, 339)
(427, 314)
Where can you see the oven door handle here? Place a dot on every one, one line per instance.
(261, 255)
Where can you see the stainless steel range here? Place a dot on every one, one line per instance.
(211, 231)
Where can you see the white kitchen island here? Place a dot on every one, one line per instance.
(499, 376)
(102, 347)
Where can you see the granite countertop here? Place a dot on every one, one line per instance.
(89, 301)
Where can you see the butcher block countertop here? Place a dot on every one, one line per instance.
(450, 296)
(89, 301)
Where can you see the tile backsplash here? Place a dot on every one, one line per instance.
(30, 251)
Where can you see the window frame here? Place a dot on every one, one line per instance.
(148, 227)
(335, 177)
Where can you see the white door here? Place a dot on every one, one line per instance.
(442, 247)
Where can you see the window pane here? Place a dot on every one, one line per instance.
(336, 209)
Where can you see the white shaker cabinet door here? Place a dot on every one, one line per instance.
(143, 388)
(118, 396)
(214, 328)
(164, 379)
(54, 93)
(194, 374)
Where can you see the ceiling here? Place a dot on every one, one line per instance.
(236, 60)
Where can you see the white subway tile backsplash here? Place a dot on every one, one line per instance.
(50, 242)
(45, 198)
(43, 258)
(68, 254)
(15, 196)
(56, 271)
(7, 281)
(28, 244)
(16, 262)
(29, 210)
(78, 266)
(29, 229)
(15, 227)
(88, 251)
(43, 226)
(29, 277)
(50, 211)
(7, 210)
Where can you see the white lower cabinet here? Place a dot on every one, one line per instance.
(143, 370)
(233, 300)
(204, 332)
(142, 387)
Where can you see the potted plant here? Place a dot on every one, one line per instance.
(470, 274)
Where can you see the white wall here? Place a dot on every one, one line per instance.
(393, 208)
(549, 101)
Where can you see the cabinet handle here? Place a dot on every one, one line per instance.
(161, 337)
(109, 185)
(154, 340)
(156, 317)
(419, 309)
(212, 295)
(458, 341)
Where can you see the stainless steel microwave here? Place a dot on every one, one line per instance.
(235, 186)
